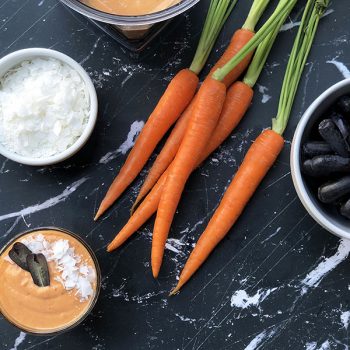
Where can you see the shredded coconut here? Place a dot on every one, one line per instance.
(44, 108)
(74, 273)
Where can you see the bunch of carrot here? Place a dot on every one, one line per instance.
(176, 100)
(172, 104)
(169, 150)
(208, 120)
(237, 101)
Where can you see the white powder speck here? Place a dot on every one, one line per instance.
(171, 248)
(174, 245)
(19, 340)
(345, 319)
(314, 277)
(289, 26)
(185, 319)
(242, 300)
(44, 108)
(325, 346)
(265, 97)
(135, 130)
(292, 24)
(310, 346)
(260, 339)
(343, 69)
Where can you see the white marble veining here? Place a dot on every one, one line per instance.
(135, 129)
(314, 277)
(19, 340)
(47, 203)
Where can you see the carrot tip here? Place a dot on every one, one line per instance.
(133, 208)
(155, 272)
(176, 290)
(98, 214)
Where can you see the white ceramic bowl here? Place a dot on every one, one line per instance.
(331, 221)
(15, 58)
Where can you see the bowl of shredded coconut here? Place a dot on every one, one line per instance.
(48, 106)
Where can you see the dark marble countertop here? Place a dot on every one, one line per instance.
(278, 281)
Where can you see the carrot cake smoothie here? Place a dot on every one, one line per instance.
(48, 281)
(130, 7)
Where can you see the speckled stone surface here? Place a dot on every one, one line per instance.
(278, 281)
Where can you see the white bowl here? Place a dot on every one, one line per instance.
(14, 59)
(331, 221)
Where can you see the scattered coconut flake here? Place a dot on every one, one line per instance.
(74, 274)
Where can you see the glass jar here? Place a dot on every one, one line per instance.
(75, 322)
(134, 32)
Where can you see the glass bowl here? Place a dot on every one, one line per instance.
(132, 27)
(88, 311)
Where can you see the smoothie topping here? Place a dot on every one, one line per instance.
(39, 269)
(35, 264)
(18, 254)
(73, 272)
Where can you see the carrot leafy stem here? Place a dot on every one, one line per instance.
(261, 54)
(218, 12)
(255, 13)
(283, 7)
(313, 11)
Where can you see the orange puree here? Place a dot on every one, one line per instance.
(130, 7)
(41, 309)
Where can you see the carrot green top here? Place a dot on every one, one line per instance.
(313, 11)
(284, 7)
(255, 13)
(261, 54)
(218, 12)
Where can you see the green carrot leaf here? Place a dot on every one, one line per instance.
(302, 45)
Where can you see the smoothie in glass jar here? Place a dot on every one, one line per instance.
(47, 302)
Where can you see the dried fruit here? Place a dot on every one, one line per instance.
(18, 254)
(39, 269)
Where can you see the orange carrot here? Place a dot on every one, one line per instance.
(259, 159)
(175, 99)
(238, 41)
(205, 115)
(237, 102)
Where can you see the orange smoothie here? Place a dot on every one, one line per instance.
(130, 7)
(72, 289)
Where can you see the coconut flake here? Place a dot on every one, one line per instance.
(44, 108)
